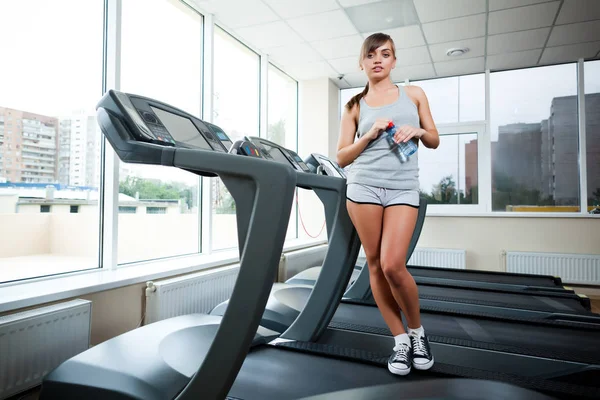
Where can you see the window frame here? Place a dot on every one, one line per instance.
(480, 129)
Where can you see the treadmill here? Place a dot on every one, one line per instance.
(541, 355)
(435, 292)
(199, 356)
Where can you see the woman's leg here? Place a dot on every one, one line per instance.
(367, 219)
(398, 226)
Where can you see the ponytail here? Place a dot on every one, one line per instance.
(356, 99)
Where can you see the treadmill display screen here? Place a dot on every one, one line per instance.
(278, 155)
(330, 168)
(182, 129)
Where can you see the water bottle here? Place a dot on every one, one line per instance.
(404, 150)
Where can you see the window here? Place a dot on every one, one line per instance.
(156, 210)
(283, 121)
(455, 99)
(163, 64)
(449, 174)
(45, 83)
(534, 139)
(235, 110)
(592, 128)
(74, 209)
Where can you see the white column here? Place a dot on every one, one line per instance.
(206, 199)
(264, 96)
(109, 186)
(485, 154)
(583, 192)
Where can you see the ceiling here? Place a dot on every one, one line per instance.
(322, 38)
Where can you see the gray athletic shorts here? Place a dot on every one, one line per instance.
(364, 194)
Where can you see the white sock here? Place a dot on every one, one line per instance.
(416, 332)
(402, 338)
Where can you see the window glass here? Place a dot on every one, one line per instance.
(49, 138)
(534, 135)
(235, 110)
(448, 174)
(159, 214)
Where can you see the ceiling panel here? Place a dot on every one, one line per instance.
(272, 34)
(383, 15)
(522, 18)
(435, 10)
(346, 65)
(455, 29)
(575, 33)
(237, 14)
(502, 4)
(412, 56)
(318, 36)
(352, 3)
(578, 11)
(570, 52)
(323, 26)
(413, 72)
(466, 66)
(339, 47)
(356, 80)
(294, 8)
(404, 37)
(319, 69)
(296, 54)
(513, 60)
(517, 41)
(476, 49)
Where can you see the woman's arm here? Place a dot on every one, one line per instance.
(427, 133)
(348, 149)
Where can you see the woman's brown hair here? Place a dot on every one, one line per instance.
(370, 44)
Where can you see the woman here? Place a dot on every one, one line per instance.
(383, 192)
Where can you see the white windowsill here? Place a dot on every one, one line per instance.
(16, 295)
(502, 214)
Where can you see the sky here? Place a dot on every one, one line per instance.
(53, 66)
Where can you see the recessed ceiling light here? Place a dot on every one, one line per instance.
(456, 52)
(389, 19)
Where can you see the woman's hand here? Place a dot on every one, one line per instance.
(380, 124)
(407, 132)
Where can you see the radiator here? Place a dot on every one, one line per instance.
(189, 294)
(34, 342)
(430, 257)
(441, 258)
(293, 262)
(571, 268)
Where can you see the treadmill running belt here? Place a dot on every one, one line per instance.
(308, 369)
(507, 300)
(466, 275)
(548, 340)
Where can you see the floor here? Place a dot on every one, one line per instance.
(34, 393)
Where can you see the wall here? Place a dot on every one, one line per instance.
(484, 239)
(24, 234)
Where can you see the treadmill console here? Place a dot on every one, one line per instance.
(155, 122)
(318, 163)
(272, 151)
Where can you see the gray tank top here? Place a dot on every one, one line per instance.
(378, 165)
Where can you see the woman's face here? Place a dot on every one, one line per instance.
(379, 63)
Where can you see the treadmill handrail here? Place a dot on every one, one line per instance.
(338, 265)
(270, 196)
(361, 288)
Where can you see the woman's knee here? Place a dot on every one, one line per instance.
(374, 265)
(394, 270)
